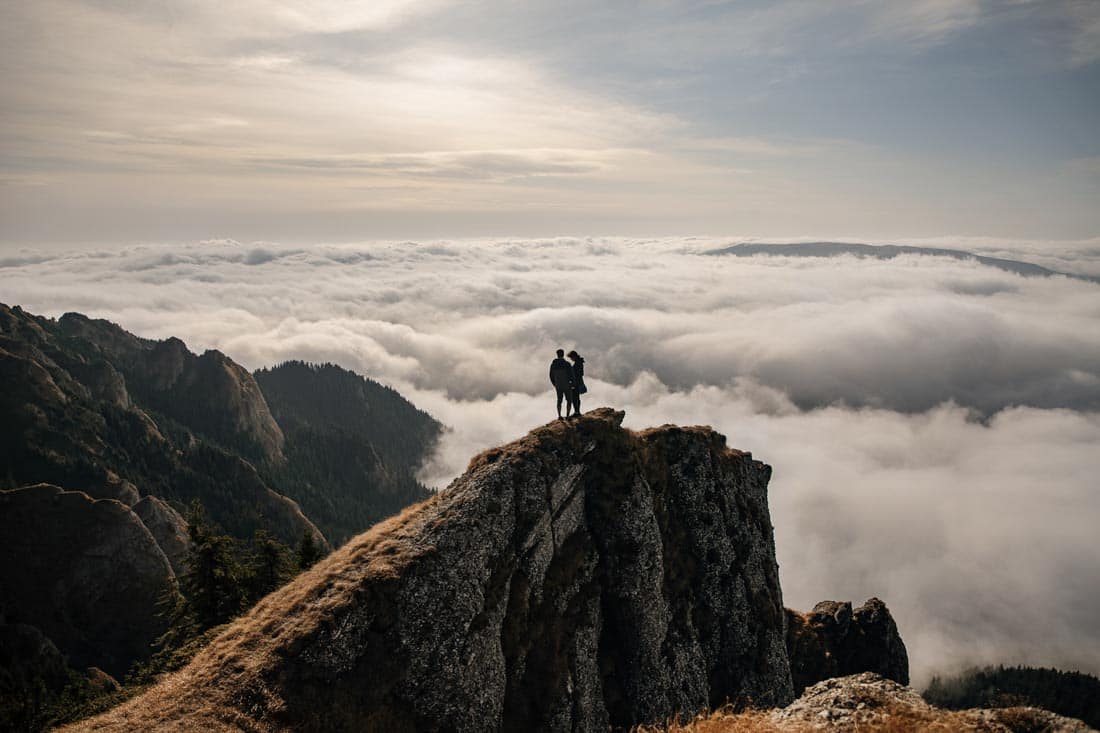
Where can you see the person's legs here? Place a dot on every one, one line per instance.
(575, 398)
(561, 393)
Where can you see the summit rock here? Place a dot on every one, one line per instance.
(582, 577)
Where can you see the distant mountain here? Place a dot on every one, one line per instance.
(887, 252)
(352, 445)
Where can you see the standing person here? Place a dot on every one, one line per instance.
(578, 383)
(561, 376)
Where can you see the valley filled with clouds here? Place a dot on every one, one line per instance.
(932, 423)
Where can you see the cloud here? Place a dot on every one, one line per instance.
(922, 22)
(932, 422)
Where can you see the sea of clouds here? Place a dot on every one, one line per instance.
(933, 424)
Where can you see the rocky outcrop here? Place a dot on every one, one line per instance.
(832, 640)
(583, 577)
(94, 594)
(868, 701)
(209, 393)
(168, 528)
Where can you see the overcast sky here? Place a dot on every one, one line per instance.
(177, 120)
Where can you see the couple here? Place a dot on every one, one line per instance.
(568, 381)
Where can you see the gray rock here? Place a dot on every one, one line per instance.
(868, 701)
(581, 577)
(168, 528)
(832, 640)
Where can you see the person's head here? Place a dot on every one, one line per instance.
(561, 353)
(574, 355)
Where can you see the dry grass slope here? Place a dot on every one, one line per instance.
(222, 689)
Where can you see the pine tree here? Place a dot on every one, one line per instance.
(270, 565)
(212, 583)
(309, 552)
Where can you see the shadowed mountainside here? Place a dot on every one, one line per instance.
(580, 577)
(363, 438)
(89, 407)
(96, 594)
(109, 419)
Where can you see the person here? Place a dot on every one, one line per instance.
(578, 387)
(561, 376)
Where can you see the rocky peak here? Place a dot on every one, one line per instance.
(584, 576)
(832, 640)
(165, 362)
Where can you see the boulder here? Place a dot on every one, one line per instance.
(86, 572)
(832, 640)
(868, 701)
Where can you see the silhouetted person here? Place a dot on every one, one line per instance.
(561, 376)
(578, 383)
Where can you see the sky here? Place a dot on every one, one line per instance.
(323, 120)
(932, 423)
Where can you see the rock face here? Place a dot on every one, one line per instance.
(168, 528)
(583, 577)
(209, 392)
(95, 594)
(832, 640)
(868, 701)
(77, 411)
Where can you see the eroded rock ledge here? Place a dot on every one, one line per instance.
(583, 576)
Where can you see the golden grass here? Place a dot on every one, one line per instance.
(206, 695)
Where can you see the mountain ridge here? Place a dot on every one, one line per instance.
(888, 251)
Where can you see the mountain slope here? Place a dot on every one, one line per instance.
(353, 446)
(78, 412)
(582, 576)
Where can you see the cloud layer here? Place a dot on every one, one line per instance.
(932, 423)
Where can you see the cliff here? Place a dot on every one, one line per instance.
(581, 577)
(95, 595)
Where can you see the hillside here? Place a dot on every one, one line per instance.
(92, 408)
(582, 576)
(1068, 693)
(106, 442)
(353, 446)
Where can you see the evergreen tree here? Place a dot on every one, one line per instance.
(212, 584)
(309, 552)
(270, 565)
